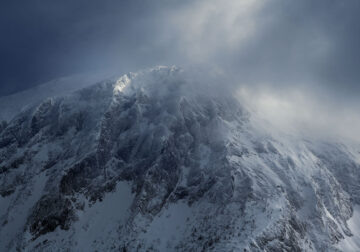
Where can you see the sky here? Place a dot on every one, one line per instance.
(304, 53)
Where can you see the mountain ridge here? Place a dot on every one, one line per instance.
(149, 162)
(13, 104)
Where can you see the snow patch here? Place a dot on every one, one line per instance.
(100, 221)
(167, 229)
(352, 243)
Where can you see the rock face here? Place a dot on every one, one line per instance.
(151, 162)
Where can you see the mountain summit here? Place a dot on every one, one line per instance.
(152, 162)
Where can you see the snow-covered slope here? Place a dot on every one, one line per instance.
(152, 162)
(11, 105)
(352, 243)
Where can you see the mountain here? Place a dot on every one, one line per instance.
(154, 162)
(13, 104)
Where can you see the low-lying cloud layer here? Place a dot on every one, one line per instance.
(303, 113)
(273, 49)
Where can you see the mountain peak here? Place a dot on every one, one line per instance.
(152, 80)
(154, 161)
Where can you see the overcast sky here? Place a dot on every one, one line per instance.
(280, 42)
(275, 47)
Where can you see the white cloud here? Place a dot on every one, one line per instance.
(301, 112)
(209, 27)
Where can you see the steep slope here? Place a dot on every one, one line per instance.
(12, 105)
(152, 162)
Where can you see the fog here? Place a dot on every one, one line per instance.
(295, 63)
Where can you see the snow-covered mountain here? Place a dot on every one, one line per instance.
(13, 104)
(152, 162)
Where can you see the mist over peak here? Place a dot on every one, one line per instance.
(195, 125)
(151, 150)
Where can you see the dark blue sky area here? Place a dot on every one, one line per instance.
(42, 40)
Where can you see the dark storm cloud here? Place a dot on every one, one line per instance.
(283, 44)
(41, 40)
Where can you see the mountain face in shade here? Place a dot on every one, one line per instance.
(151, 162)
